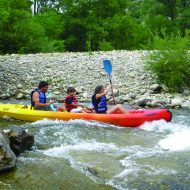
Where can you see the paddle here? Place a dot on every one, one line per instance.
(51, 105)
(86, 107)
(108, 68)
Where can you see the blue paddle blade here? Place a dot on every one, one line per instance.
(107, 66)
(52, 107)
(49, 95)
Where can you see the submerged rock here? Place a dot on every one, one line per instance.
(7, 157)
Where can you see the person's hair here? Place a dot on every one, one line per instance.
(98, 89)
(42, 84)
(70, 89)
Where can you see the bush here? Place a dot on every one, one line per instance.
(170, 60)
(105, 46)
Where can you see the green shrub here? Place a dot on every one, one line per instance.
(105, 46)
(170, 60)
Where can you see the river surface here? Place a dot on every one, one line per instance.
(83, 155)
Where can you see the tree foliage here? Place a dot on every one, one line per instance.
(31, 26)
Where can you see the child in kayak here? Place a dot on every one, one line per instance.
(71, 103)
(99, 102)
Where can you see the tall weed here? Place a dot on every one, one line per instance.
(170, 59)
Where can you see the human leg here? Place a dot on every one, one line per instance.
(117, 109)
(77, 110)
(61, 108)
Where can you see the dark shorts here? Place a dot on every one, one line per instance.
(101, 112)
(46, 108)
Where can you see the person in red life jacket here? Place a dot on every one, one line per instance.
(100, 102)
(71, 101)
(71, 104)
(38, 98)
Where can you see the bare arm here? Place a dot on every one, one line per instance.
(36, 99)
(110, 101)
(103, 93)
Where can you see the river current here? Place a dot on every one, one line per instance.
(78, 155)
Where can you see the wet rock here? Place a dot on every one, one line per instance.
(154, 103)
(7, 157)
(176, 102)
(186, 105)
(92, 171)
(142, 102)
(20, 140)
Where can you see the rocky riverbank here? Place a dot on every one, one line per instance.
(19, 74)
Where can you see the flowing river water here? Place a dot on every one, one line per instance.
(78, 155)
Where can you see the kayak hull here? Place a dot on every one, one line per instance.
(133, 118)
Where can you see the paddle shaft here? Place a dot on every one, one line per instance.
(112, 90)
(86, 107)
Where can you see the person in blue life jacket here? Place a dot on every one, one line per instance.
(100, 102)
(38, 98)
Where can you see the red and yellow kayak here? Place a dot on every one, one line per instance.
(133, 118)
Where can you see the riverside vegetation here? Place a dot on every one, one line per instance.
(33, 26)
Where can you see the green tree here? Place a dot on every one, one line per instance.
(102, 23)
(183, 12)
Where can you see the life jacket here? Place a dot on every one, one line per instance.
(70, 102)
(42, 97)
(99, 105)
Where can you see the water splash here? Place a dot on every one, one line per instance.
(177, 141)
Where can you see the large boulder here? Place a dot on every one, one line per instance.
(20, 140)
(156, 88)
(186, 104)
(176, 102)
(7, 157)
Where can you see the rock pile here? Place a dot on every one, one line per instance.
(19, 74)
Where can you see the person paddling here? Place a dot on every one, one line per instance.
(100, 102)
(38, 98)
